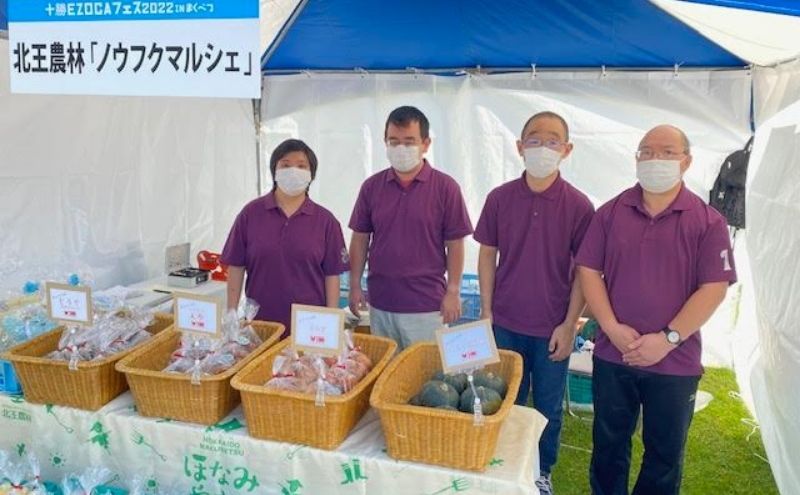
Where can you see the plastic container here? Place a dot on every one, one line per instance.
(8, 379)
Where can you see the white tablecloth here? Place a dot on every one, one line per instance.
(223, 459)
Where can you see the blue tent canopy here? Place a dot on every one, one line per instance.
(345, 34)
(3, 15)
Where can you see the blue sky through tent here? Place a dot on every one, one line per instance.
(786, 7)
(345, 34)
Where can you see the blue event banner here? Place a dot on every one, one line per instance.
(129, 10)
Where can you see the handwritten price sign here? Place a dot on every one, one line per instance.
(317, 330)
(468, 346)
(198, 315)
(69, 304)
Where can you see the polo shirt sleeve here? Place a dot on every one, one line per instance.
(582, 221)
(592, 251)
(361, 219)
(457, 224)
(715, 257)
(336, 260)
(486, 230)
(235, 251)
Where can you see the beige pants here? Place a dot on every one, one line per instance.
(405, 328)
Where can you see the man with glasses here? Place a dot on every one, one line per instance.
(654, 266)
(411, 220)
(535, 224)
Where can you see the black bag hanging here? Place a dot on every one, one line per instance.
(728, 194)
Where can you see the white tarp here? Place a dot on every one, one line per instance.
(761, 38)
(773, 241)
(775, 88)
(111, 181)
(475, 121)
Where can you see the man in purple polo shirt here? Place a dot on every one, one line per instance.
(411, 219)
(536, 224)
(655, 264)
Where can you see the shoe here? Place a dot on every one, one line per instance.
(545, 485)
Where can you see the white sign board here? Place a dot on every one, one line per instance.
(199, 315)
(468, 346)
(317, 330)
(69, 304)
(206, 48)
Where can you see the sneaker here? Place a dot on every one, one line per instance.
(545, 485)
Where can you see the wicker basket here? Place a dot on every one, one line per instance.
(437, 436)
(294, 417)
(91, 386)
(172, 395)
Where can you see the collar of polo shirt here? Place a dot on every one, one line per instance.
(307, 208)
(635, 197)
(551, 193)
(423, 175)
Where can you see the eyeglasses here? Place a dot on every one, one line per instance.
(553, 144)
(648, 154)
(404, 142)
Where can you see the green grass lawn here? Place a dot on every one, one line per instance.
(719, 457)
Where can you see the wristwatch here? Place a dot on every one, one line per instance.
(673, 337)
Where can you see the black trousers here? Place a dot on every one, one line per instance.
(667, 404)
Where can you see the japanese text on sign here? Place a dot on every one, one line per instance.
(207, 48)
(104, 10)
(469, 346)
(68, 57)
(200, 315)
(317, 330)
(69, 304)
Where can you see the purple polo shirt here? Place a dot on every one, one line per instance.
(653, 265)
(537, 236)
(286, 259)
(409, 227)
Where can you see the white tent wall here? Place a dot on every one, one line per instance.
(773, 239)
(108, 182)
(476, 119)
(775, 88)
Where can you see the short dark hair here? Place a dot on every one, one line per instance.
(290, 146)
(404, 116)
(550, 114)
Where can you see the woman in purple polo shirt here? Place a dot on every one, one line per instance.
(291, 248)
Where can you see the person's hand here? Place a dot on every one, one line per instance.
(451, 307)
(486, 314)
(561, 342)
(356, 299)
(621, 336)
(647, 350)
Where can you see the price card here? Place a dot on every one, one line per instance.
(466, 347)
(317, 330)
(199, 315)
(69, 304)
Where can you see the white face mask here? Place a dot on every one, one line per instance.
(541, 161)
(403, 158)
(292, 180)
(658, 176)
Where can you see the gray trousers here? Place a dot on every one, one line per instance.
(405, 328)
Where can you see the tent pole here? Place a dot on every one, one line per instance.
(494, 70)
(257, 122)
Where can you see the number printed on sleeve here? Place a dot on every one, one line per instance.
(726, 260)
